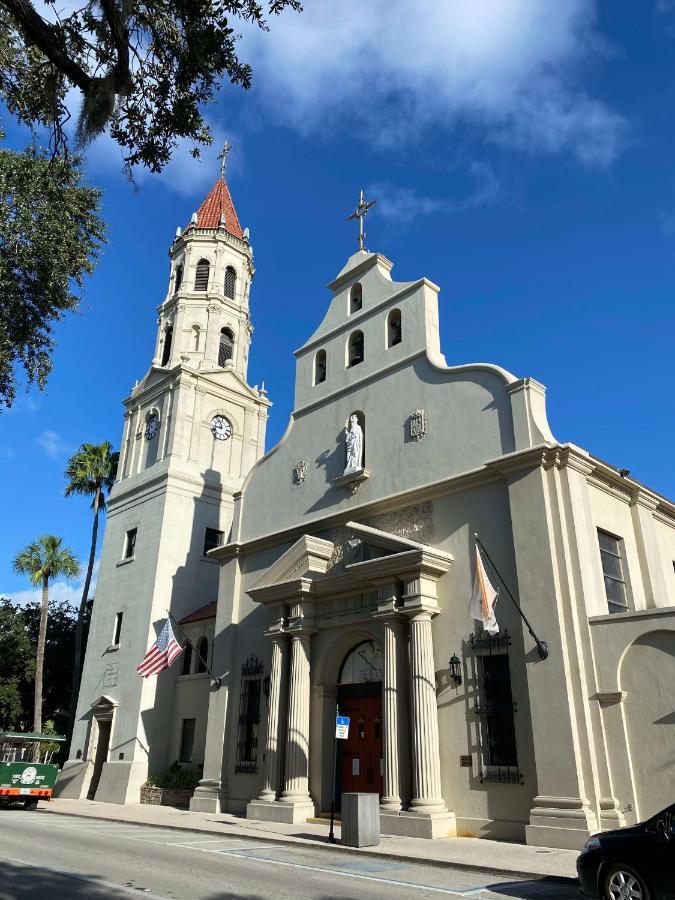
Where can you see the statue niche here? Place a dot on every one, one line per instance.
(354, 445)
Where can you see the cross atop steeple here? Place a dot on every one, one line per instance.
(359, 213)
(222, 156)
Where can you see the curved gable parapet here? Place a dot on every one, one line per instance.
(420, 421)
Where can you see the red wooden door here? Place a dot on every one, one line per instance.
(362, 764)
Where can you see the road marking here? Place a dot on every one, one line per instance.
(135, 892)
(470, 892)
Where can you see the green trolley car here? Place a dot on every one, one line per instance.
(26, 771)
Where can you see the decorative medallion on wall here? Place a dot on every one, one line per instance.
(151, 426)
(299, 471)
(418, 424)
(221, 428)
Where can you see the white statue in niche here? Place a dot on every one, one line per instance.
(354, 442)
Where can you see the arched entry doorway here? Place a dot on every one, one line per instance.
(359, 696)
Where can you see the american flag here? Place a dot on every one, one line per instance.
(162, 653)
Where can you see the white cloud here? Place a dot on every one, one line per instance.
(391, 70)
(402, 205)
(184, 175)
(53, 444)
(59, 592)
(23, 403)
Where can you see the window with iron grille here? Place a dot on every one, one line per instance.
(230, 282)
(202, 275)
(179, 277)
(611, 556)
(226, 346)
(495, 708)
(249, 716)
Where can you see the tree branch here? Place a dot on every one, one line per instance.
(47, 39)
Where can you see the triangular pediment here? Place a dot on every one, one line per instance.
(383, 539)
(104, 702)
(309, 556)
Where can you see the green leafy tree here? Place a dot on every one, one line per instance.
(50, 236)
(42, 561)
(19, 630)
(90, 472)
(145, 68)
(17, 666)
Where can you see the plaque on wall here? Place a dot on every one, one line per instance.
(465, 761)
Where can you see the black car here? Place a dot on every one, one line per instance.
(636, 863)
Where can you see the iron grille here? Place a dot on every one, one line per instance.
(202, 275)
(249, 716)
(495, 709)
(230, 282)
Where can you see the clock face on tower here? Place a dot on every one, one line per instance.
(221, 429)
(151, 426)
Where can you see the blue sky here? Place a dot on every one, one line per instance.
(523, 158)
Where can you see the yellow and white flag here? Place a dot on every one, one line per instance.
(484, 597)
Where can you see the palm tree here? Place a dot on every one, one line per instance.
(44, 560)
(91, 472)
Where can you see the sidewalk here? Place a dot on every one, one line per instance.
(514, 860)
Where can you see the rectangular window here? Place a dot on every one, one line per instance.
(613, 568)
(130, 543)
(495, 709)
(249, 716)
(117, 630)
(187, 740)
(212, 539)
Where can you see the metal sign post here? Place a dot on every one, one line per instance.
(341, 734)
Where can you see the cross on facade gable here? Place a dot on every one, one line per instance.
(359, 213)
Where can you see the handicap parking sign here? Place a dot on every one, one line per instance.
(342, 727)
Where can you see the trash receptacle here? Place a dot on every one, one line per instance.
(360, 825)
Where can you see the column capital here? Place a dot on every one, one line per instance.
(421, 613)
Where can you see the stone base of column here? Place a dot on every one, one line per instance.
(208, 797)
(565, 822)
(420, 825)
(290, 812)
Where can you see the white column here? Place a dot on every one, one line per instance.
(427, 796)
(297, 735)
(393, 699)
(273, 740)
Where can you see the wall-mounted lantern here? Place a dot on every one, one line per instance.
(455, 668)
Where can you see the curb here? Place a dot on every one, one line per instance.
(323, 843)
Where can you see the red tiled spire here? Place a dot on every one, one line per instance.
(219, 201)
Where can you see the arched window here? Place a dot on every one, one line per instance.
(355, 349)
(230, 282)
(355, 298)
(195, 337)
(362, 665)
(226, 347)
(166, 352)
(320, 367)
(179, 278)
(394, 333)
(202, 275)
(203, 652)
(186, 665)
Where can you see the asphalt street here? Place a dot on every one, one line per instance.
(47, 855)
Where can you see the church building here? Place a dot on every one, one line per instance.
(334, 574)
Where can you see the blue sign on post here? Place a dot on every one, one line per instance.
(342, 727)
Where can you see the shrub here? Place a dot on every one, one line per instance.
(175, 777)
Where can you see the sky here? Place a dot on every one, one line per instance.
(522, 155)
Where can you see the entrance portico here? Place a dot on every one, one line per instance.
(318, 613)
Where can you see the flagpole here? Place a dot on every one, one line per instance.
(542, 646)
(217, 680)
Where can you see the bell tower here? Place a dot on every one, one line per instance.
(193, 428)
